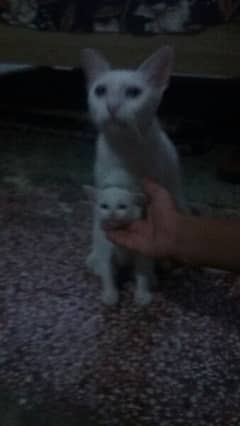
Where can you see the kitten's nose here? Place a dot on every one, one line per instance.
(112, 216)
(113, 109)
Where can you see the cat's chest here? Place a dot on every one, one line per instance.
(153, 156)
(125, 156)
(106, 156)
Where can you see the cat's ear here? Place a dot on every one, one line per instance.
(93, 63)
(158, 67)
(90, 192)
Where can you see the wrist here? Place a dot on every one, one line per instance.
(169, 245)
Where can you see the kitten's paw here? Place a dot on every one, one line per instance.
(110, 296)
(143, 297)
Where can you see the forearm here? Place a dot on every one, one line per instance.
(209, 242)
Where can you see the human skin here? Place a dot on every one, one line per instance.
(171, 234)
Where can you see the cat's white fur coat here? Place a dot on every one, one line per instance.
(131, 143)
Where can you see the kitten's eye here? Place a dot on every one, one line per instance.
(122, 206)
(104, 206)
(133, 92)
(100, 90)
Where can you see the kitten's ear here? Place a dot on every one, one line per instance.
(93, 64)
(90, 191)
(158, 67)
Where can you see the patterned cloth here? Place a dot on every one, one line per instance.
(134, 16)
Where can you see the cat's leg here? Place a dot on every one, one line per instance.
(101, 259)
(145, 279)
(92, 260)
(110, 292)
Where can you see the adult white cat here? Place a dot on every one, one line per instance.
(131, 143)
(123, 106)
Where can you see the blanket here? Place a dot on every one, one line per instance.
(131, 16)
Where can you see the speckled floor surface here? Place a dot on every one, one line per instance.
(173, 363)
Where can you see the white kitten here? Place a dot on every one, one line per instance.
(131, 143)
(117, 206)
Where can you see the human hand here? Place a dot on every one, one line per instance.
(156, 235)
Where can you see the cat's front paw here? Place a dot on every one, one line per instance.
(143, 297)
(110, 296)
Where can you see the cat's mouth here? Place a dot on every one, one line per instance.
(114, 118)
(111, 122)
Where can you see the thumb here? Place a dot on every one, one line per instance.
(160, 198)
(151, 188)
(122, 238)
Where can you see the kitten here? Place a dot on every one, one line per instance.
(116, 206)
(131, 143)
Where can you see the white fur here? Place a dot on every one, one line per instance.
(131, 143)
(117, 206)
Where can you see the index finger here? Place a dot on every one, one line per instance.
(129, 240)
(150, 187)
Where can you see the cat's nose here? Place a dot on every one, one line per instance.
(113, 109)
(112, 216)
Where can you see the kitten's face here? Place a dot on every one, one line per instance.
(117, 206)
(126, 96)
(122, 96)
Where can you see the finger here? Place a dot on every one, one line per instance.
(124, 238)
(151, 188)
(158, 194)
(135, 226)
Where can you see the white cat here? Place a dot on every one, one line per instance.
(131, 143)
(123, 106)
(116, 206)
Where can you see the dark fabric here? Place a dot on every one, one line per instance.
(134, 16)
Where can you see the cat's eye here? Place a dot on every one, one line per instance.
(133, 92)
(122, 206)
(104, 206)
(100, 90)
